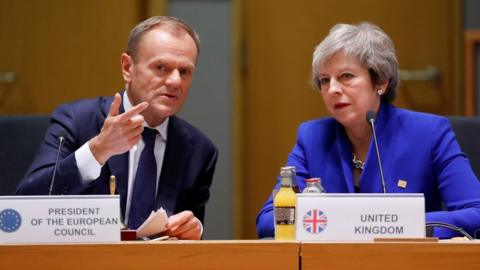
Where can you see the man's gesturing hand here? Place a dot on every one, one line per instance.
(119, 133)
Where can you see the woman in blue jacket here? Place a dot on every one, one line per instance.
(356, 70)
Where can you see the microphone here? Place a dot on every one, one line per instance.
(371, 115)
(61, 139)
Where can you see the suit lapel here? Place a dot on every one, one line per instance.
(387, 137)
(345, 154)
(388, 127)
(175, 165)
(370, 181)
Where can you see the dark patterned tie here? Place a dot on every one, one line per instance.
(143, 199)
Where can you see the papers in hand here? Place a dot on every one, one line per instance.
(154, 224)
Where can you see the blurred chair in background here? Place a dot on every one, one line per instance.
(467, 131)
(20, 137)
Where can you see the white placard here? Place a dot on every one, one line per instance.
(359, 216)
(59, 219)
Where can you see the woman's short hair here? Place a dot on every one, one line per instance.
(374, 49)
(172, 23)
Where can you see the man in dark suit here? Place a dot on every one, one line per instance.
(159, 160)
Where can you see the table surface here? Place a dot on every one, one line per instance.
(229, 254)
(243, 254)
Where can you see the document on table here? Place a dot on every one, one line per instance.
(154, 224)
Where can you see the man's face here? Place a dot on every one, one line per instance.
(161, 73)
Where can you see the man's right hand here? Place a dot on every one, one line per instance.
(119, 133)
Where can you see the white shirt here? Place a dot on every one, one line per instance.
(89, 167)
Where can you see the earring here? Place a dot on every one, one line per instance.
(379, 92)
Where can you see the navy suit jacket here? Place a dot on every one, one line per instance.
(185, 179)
(416, 147)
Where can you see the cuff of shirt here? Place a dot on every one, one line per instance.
(88, 166)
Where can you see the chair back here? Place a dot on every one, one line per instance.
(20, 137)
(467, 131)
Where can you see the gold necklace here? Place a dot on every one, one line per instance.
(357, 163)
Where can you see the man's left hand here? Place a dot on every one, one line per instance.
(184, 225)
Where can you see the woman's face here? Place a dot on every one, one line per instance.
(348, 90)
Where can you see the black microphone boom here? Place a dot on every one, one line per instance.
(371, 121)
(61, 139)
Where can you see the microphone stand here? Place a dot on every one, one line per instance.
(431, 225)
(371, 120)
(61, 138)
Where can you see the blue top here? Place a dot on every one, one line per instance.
(418, 148)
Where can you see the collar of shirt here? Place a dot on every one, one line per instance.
(162, 128)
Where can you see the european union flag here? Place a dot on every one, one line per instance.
(10, 220)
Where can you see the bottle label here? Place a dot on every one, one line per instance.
(311, 190)
(285, 215)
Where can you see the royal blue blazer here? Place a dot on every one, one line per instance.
(187, 170)
(418, 148)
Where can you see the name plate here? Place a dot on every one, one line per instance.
(58, 219)
(359, 216)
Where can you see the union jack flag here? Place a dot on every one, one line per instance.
(315, 221)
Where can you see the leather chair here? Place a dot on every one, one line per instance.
(467, 131)
(20, 137)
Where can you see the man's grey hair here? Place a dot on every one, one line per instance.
(373, 48)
